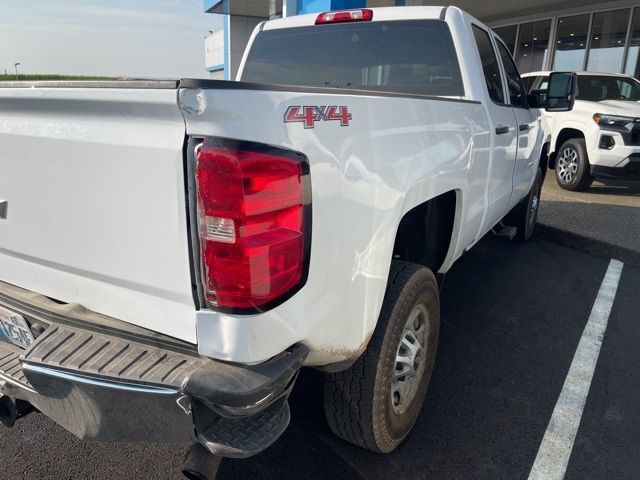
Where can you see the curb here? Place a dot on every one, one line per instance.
(588, 244)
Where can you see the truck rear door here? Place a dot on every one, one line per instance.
(503, 130)
(529, 132)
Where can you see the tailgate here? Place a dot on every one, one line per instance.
(93, 180)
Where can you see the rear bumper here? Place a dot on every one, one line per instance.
(109, 381)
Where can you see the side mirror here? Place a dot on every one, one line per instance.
(537, 98)
(562, 91)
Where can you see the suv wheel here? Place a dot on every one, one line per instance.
(572, 165)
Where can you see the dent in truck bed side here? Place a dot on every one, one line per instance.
(396, 153)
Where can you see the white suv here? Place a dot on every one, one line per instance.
(600, 137)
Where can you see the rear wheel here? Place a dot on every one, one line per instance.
(573, 171)
(375, 403)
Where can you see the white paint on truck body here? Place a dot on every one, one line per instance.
(96, 212)
(98, 209)
(396, 154)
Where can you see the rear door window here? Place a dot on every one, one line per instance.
(517, 91)
(539, 82)
(529, 82)
(416, 57)
(490, 67)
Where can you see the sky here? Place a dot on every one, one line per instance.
(161, 38)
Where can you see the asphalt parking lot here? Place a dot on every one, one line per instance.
(512, 317)
(605, 219)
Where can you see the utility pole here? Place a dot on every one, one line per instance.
(16, 65)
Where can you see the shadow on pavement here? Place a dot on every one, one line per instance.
(600, 229)
(613, 187)
(508, 335)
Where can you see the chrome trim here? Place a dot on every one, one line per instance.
(6, 380)
(98, 410)
(127, 387)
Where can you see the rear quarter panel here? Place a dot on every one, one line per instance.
(395, 154)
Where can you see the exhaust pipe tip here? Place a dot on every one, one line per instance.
(201, 464)
(8, 411)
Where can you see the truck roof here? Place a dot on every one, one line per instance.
(379, 14)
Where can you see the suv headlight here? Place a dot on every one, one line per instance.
(611, 120)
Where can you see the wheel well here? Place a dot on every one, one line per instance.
(564, 135)
(424, 234)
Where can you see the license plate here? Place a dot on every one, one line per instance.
(14, 329)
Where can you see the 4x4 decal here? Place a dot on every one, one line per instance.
(309, 115)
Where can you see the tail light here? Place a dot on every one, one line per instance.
(254, 216)
(342, 16)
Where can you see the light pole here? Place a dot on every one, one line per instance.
(16, 65)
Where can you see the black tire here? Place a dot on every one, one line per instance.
(525, 214)
(358, 402)
(573, 171)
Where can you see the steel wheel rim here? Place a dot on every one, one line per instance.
(568, 165)
(410, 360)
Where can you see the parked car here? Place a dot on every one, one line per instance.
(600, 137)
(173, 252)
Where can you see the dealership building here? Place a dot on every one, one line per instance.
(594, 35)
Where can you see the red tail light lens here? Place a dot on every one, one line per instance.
(341, 16)
(254, 216)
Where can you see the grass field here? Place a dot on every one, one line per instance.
(12, 77)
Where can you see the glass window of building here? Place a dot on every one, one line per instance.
(571, 41)
(633, 67)
(508, 36)
(533, 45)
(608, 36)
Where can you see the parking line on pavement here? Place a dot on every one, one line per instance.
(554, 452)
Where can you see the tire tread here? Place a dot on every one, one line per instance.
(348, 395)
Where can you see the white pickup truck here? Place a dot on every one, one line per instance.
(600, 137)
(172, 252)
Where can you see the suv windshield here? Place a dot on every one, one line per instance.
(415, 57)
(596, 88)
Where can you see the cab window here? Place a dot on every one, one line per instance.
(517, 91)
(490, 66)
(538, 82)
(388, 56)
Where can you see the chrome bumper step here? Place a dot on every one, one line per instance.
(105, 380)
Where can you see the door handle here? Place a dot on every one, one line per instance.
(523, 127)
(501, 130)
(4, 206)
